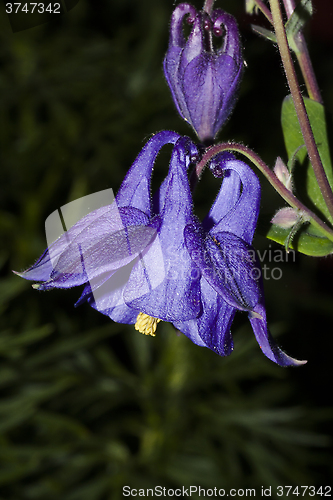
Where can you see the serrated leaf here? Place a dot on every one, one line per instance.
(293, 139)
(308, 240)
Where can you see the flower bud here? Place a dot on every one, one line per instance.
(283, 174)
(204, 79)
(286, 217)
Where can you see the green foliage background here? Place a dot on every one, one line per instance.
(88, 406)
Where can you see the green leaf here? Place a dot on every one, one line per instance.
(308, 240)
(265, 33)
(293, 139)
(299, 17)
(295, 23)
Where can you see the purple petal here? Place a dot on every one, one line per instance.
(265, 340)
(40, 271)
(231, 41)
(206, 84)
(177, 38)
(170, 66)
(226, 262)
(88, 250)
(212, 328)
(107, 296)
(190, 158)
(195, 42)
(241, 220)
(191, 330)
(82, 263)
(172, 59)
(94, 225)
(225, 201)
(135, 188)
(177, 297)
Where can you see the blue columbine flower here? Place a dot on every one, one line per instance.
(230, 271)
(142, 264)
(204, 80)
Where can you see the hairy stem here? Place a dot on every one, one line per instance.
(299, 105)
(303, 58)
(269, 174)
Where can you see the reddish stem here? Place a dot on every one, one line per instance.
(303, 58)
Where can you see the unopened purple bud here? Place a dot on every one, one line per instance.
(203, 79)
(286, 217)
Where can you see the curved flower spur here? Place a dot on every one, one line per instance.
(203, 80)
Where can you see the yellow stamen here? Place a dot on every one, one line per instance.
(146, 324)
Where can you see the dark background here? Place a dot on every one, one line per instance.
(88, 406)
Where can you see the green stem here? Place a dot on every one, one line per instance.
(299, 105)
(261, 165)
